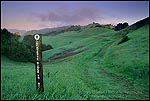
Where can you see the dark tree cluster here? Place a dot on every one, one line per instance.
(16, 50)
(12, 48)
(121, 26)
(94, 25)
(29, 41)
(124, 39)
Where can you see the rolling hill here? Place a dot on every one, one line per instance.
(45, 30)
(22, 32)
(89, 64)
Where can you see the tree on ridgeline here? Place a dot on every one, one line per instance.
(121, 26)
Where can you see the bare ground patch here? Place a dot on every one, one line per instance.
(65, 53)
(123, 80)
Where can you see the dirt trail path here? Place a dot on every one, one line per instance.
(104, 84)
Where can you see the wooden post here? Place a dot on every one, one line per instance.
(38, 63)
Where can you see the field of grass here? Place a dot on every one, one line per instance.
(133, 54)
(93, 67)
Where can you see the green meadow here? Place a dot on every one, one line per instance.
(89, 64)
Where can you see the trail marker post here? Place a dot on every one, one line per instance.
(38, 63)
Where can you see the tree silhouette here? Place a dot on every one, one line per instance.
(121, 26)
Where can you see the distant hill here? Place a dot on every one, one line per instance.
(45, 30)
(58, 30)
(17, 30)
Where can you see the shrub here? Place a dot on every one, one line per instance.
(124, 39)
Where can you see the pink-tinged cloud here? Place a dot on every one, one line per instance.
(37, 15)
(78, 15)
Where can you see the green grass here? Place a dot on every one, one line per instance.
(133, 54)
(74, 36)
(104, 71)
(84, 38)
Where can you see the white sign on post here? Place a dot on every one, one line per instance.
(38, 63)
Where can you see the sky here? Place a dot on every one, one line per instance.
(34, 15)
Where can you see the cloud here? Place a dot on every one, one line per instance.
(67, 15)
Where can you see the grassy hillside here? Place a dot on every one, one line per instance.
(46, 30)
(76, 40)
(85, 65)
(131, 57)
